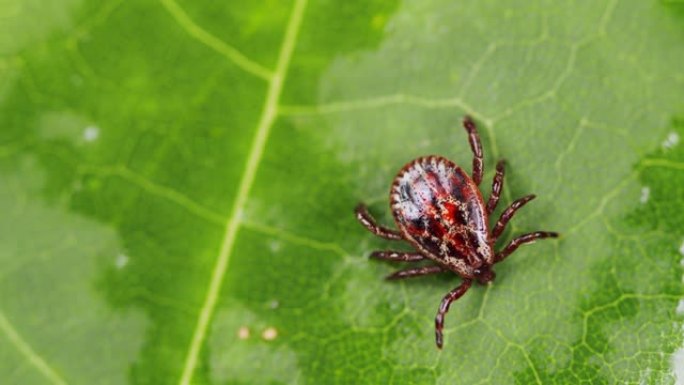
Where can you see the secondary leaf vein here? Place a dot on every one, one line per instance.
(377, 102)
(25, 349)
(161, 191)
(215, 43)
(296, 239)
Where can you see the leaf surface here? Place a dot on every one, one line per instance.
(177, 182)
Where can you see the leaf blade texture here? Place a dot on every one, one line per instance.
(177, 182)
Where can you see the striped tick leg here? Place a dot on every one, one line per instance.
(508, 214)
(497, 185)
(521, 240)
(363, 216)
(415, 272)
(476, 147)
(444, 308)
(397, 256)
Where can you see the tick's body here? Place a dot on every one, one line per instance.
(439, 210)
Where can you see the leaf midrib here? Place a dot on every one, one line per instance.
(268, 116)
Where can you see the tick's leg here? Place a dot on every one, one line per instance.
(415, 272)
(521, 240)
(508, 214)
(368, 222)
(497, 185)
(444, 308)
(397, 256)
(476, 146)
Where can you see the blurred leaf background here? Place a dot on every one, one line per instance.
(177, 181)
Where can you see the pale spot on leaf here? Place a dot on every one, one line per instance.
(680, 307)
(269, 334)
(275, 246)
(121, 261)
(671, 140)
(91, 133)
(677, 362)
(645, 194)
(243, 333)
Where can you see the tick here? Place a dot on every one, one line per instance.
(440, 211)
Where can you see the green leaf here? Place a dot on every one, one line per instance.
(177, 183)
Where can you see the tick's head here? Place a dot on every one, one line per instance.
(485, 274)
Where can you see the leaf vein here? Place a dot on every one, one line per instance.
(520, 347)
(266, 120)
(161, 191)
(602, 204)
(214, 42)
(377, 102)
(25, 349)
(664, 163)
(295, 238)
(569, 148)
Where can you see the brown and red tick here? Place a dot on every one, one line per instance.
(440, 211)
